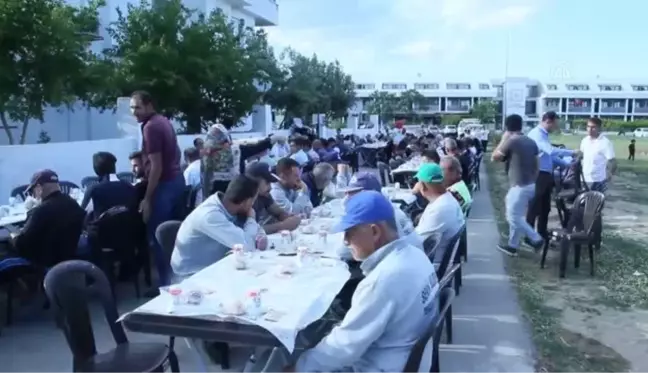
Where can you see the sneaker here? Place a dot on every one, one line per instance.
(536, 246)
(510, 251)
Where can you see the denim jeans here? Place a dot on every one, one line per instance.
(517, 203)
(598, 186)
(168, 195)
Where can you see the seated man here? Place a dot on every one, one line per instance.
(110, 191)
(368, 181)
(52, 230)
(290, 193)
(297, 151)
(325, 154)
(430, 156)
(453, 182)
(317, 180)
(442, 218)
(392, 305)
(192, 172)
(269, 215)
(215, 226)
(137, 165)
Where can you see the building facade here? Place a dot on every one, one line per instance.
(80, 123)
(620, 100)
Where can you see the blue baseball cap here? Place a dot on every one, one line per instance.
(366, 207)
(363, 181)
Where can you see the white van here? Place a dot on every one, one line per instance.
(641, 132)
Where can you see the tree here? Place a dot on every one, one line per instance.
(45, 58)
(383, 104)
(485, 111)
(409, 101)
(199, 67)
(451, 119)
(311, 86)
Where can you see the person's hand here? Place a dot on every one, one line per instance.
(342, 168)
(251, 213)
(300, 186)
(262, 242)
(292, 222)
(145, 210)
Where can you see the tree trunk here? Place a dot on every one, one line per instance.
(5, 125)
(23, 131)
(193, 124)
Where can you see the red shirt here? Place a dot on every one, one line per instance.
(159, 136)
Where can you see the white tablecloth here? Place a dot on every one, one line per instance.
(394, 194)
(411, 166)
(17, 214)
(374, 145)
(302, 298)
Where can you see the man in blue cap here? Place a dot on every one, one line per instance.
(391, 307)
(368, 181)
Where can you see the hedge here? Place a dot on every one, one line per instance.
(612, 124)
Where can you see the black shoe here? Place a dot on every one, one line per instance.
(506, 249)
(536, 246)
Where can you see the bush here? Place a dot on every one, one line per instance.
(612, 124)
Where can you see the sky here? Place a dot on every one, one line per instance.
(419, 40)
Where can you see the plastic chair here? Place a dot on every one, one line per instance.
(166, 234)
(20, 192)
(66, 287)
(89, 181)
(584, 227)
(433, 331)
(127, 177)
(67, 186)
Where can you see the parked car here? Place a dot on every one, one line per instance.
(449, 130)
(641, 132)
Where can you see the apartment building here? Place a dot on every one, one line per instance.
(621, 100)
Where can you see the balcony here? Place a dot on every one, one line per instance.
(265, 12)
(429, 106)
(457, 107)
(579, 106)
(612, 106)
(641, 110)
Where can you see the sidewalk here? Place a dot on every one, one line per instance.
(489, 332)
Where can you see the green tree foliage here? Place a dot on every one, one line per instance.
(311, 86)
(383, 104)
(410, 101)
(611, 124)
(485, 111)
(200, 68)
(45, 58)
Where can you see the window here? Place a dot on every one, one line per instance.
(578, 87)
(608, 87)
(365, 86)
(553, 103)
(613, 104)
(552, 87)
(426, 86)
(640, 87)
(579, 103)
(394, 86)
(484, 86)
(457, 86)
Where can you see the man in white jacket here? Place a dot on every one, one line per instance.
(392, 306)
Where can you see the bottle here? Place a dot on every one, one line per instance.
(254, 304)
(239, 256)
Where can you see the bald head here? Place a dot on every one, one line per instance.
(323, 173)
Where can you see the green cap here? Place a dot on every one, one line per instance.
(430, 173)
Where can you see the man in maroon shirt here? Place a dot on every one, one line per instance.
(162, 167)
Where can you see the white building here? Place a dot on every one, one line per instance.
(82, 123)
(621, 100)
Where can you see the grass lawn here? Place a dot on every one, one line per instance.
(585, 324)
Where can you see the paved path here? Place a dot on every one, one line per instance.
(490, 334)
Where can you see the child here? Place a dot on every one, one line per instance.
(631, 150)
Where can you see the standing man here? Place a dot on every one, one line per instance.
(166, 184)
(522, 154)
(599, 163)
(540, 206)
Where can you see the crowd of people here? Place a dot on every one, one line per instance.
(245, 191)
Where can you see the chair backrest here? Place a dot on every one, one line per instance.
(429, 246)
(67, 186)
(450, 252)
(20, 192)
(66, 286)
(116, 228)
(166, 234)
(433, 331)
(126, 176)
(383, 171)
(586, 210)
(89, 181)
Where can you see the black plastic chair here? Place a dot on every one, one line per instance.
(165, 234)
(20, 192)
(66, 287)
(127, 177)
(385, 173)
(89, 181)
(434, 331)
(584, 228)
(114, 239)
(67, 186)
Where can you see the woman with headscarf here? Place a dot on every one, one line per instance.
(223, 160)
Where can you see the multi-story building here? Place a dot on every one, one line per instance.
(82, 123)
(621, 100)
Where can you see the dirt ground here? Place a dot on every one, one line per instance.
(591, 324)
